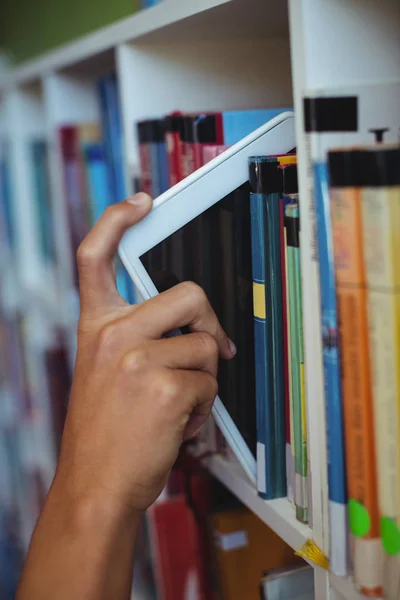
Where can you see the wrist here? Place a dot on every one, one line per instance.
(91, 509)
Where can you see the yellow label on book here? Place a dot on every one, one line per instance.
(259, 300)
(291, 159)
(310, 552)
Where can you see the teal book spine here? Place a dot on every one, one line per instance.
(264, 418)
(266, 180)
(42, 198)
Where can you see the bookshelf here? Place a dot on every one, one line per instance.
(203, 55)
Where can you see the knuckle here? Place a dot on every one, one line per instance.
(113, 214)
(213, 387)
(206, 343)
(86, 254)
(108, 336)
(135, 361)
(195, 292)
(167, 387)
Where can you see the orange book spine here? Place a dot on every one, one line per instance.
(357, 388)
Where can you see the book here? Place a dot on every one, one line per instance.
(289, 195)
(378, 174)
(210, 152)
(38, 150)
(207, 131)
(295, 583)
(336, 117)
(6, 199)
(301, 499)
(143, 135)
(88, 133)
(237, 124)
(75, 197)
(174, 132)
(112, 134)
(267, 185)
(188, 146)
(176, 549)
(350, 273)
(97, 179)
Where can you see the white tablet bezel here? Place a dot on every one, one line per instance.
(185, 201)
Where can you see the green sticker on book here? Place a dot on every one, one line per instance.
(359, 519)
(390, 536)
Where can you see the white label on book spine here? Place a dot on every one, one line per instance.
(261, 475)
(232, 541)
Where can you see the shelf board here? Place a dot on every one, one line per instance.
(277, 514)
(172, 20)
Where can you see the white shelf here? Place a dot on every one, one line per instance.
(173, 20)
(278, 514)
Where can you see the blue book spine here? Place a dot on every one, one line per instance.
(163, 166)
(42, 197)
(237, 124)
(274, 304)
(112, 132)
(331, 353)
(155, 169)
(97, 177)
(6, 202)
(262, 359)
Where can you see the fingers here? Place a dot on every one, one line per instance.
(196, 351)
(185, 304)
(96, 253)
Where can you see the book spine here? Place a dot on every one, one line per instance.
(144, 157)
(265, 438)
(286, 364)
(98, 181)
(42, 197)
(300, 441)
(274, 306)
(173, 138)
(357, 388)
(292, 471)
(332, 380)
(380, 204)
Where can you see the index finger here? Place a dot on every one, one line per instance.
(186, 304)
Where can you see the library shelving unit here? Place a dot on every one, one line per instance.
(198, 56)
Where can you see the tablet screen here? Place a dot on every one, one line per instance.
(214, 250)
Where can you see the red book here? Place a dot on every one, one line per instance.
(188, 146)
(207, 130)
(144, 155)
(173, 137)
(176, 548)
(210, 152)
(74, 185)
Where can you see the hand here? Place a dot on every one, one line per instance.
(136, 395)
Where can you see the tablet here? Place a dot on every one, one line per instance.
(190, 230)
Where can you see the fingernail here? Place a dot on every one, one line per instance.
(139, 199)
(232, 347)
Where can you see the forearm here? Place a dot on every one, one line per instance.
(80, 549)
